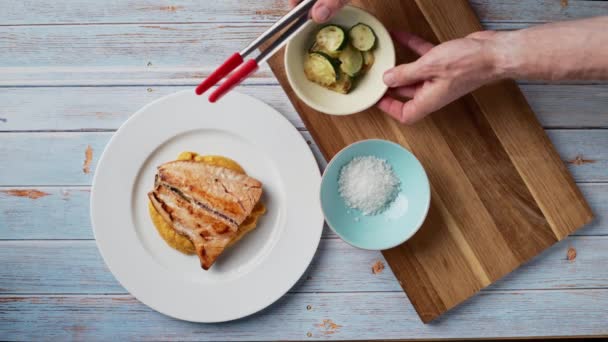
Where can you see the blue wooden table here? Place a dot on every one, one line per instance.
(72, 71)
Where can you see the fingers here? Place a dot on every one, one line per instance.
(404, 75)
(408, 91)
(405, 112)
(424, 102)
(325, 9)
(293, 3)
(482, 35)
(408, 74)
(413, 42)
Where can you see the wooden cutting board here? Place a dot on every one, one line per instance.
(500, 193)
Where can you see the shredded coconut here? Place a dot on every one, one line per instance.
(368, 184)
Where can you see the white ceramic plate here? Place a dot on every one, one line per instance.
(369, 89)
(256, 271)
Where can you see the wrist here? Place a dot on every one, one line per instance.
(502, 48)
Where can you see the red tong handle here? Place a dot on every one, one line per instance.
(230, 64)
(235, 79)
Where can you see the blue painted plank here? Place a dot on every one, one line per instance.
(569, 105)
(60, 156)
(537, 11)
(146, 11)
(88, 11)
(75, 267)
(64, 213)
(584, 151)
(45, 213)
(86, 108)
(82, 108)
(48, 158)
(120, 45)
(327, 316)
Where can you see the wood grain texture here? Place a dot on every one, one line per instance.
(75, 267)
(357, 316)
(515, 126)
(160, 11)
(86, 108)
(490, 211)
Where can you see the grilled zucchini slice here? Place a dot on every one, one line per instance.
(362, 37)
(318, 48)
(368, 60)
(343, 85)
(351, 61)
(331, 38)
(321, 69)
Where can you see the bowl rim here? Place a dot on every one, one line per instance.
(335, 111)
(422, 218)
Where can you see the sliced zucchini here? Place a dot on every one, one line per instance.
(331, 38)
(362, 37)
(318, 48)
(368, 60)
(343, 85)
(352, 61)
(320, 68)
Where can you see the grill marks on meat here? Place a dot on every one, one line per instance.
(227, 192)
(204, 203)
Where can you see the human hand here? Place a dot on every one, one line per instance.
(323, 9)
(441, 75)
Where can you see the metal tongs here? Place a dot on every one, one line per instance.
(296, 17)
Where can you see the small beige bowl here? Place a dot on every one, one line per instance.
(369, 89)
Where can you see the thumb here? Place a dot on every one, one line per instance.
(325, 9)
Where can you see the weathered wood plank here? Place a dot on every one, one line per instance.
(61, 156)
(45, 213)
(153, 46)
(569, 105)
(537, 10)
(49, 158)
(75, 267)
(85, 108)
(113, 76)
(126, 54)
(579, 148)
(143, 76)
(149, 11)
(352, 316)
(57, 213)
(82, 108)
(87, 11)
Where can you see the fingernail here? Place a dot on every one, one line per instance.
(322, 13)
(389, 78)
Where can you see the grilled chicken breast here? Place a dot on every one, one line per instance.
(204, 203)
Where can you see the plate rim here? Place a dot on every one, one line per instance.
(289, 283)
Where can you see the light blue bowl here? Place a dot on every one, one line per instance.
(391, 227)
